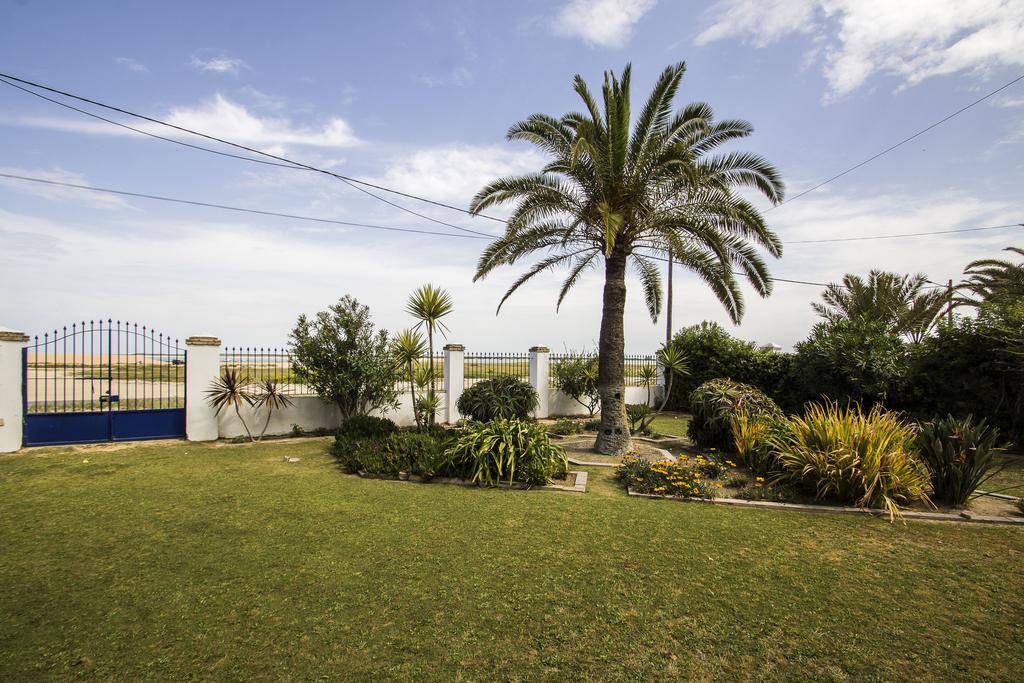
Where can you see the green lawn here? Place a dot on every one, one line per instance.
(674, 424)
(190, 561)
(1011, 479)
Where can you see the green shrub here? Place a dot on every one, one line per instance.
(958, 455)
(565, 427)
(713, 353)
(716, 402)
(866, 459)
(498, 398)
(420, 453)
(509, 450)
(366, 426)
(591, 425)
(576, 377)
(636, 413)
(664, 478)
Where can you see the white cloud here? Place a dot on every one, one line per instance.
(911, 40)
(1008, 101)
(604, 23)
(215, 62)
(220, 117)
(57, 193)
(132, 65)
(459, 76)
(454, 173)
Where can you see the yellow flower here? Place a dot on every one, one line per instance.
(758, 478)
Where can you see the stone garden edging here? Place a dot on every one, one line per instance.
(965, 516)
(579, 483)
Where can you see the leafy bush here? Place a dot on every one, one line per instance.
(753, 437)
(499, 398)
(591, 425)
(565, 427)
(636, 413)
(366, 426)
(341, 356)
(958, 455)
(716, 402)
(420, 453)
(851, 360)
(576, 377)
(664, 478)
(712, 353)
(866, 459)
(511, 450)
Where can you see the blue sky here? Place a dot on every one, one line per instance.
(418, 96)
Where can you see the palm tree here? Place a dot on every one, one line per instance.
(989, 279)
(673, 362)
(901, 302)
(409, 348)
(616, 192)
(429, 304)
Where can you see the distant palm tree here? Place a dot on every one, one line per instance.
(989, 279)
(615, 192)
(429, 304)
(899, 301)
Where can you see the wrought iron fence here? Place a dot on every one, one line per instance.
(481, 366)
(561, 359)
(259, 364)
(103, 365)
(641, 369)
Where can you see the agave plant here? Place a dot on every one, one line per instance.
(959, 455)
(270, 396)
(230, 391)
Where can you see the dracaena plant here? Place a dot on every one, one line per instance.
(230, 391)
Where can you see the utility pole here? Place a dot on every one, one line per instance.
(949, 302)
(668, 303)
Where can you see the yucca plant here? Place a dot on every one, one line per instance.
(409, 347)
(507, 450)
(269, 396)
(427, 406)
(230, 391)
(429, 304)
(867, 459)
(959, 457)
(674, 363)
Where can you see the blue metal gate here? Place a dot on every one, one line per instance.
(103, 381)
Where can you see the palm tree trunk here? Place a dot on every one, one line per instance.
(613, 437)
(430, 344)
(412, 390)
(242, 420)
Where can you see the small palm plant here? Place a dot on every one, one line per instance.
(673, 363)
(409, 347)
(230, 391)
(429, 304)
(270, 396)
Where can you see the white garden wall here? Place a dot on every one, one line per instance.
(560, 405)
(310, 413)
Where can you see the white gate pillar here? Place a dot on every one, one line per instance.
(540, 371)
(202, 366)
(11, 400)
(454, 379)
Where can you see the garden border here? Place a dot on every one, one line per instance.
(965, 516)
(579, 483)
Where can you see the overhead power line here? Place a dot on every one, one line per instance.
(902, 142)
(905, 234)
(354, 183)
(225, 207)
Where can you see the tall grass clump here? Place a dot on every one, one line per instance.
(864, 458)
(507, 450)
(959, 456)
(754, 438)
(716, 402)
